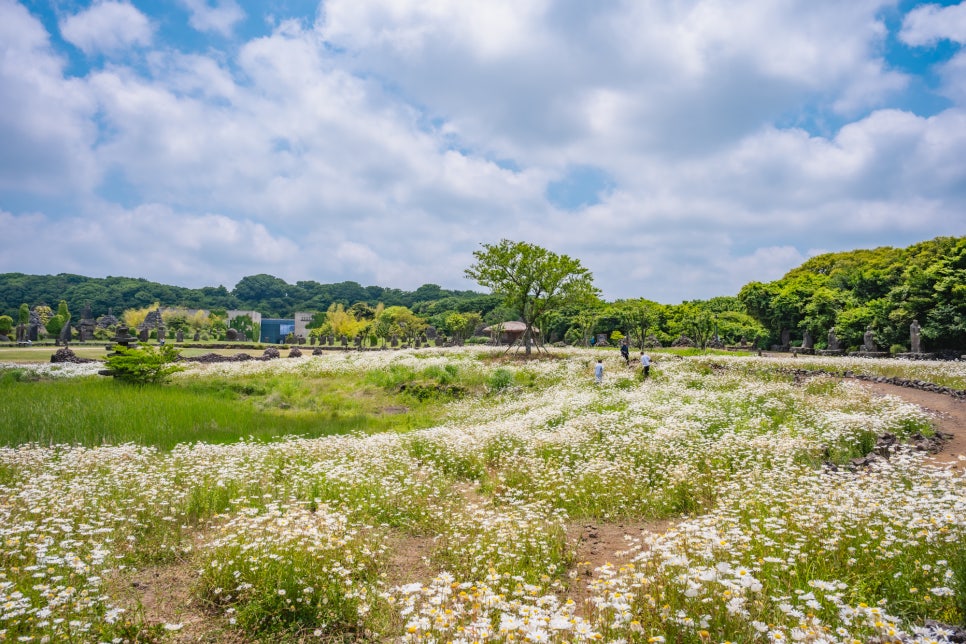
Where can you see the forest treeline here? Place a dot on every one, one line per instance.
(884, 289)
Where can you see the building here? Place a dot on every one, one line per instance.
(275, 330)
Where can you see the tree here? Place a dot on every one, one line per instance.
(54, 326)
(585, 321)
(638, 317)
(341, 322)
(44, 312)
(462, 325)
(399, 320)
(134, 318)
(6, 325)
(531, 279)
(698, 322)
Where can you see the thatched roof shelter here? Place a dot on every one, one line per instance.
(510, 331)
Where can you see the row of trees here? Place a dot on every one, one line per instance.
(269, 295)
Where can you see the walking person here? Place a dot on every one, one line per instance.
(625, 352)
(599, 371)
(645, 365)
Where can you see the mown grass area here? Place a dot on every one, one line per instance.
(97, 351)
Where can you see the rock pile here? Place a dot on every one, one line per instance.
(66, 355)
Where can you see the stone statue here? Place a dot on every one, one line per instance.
(833, 341)
(914, 338)
(807, 342)
(868, 343)
(64, 337)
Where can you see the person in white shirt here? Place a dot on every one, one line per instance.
(645, 364)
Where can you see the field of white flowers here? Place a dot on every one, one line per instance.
(296, 539)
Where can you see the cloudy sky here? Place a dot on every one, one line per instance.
(678, 148)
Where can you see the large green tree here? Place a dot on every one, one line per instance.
(532, 280)
(638, 317)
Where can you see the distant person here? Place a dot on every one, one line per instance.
(599, 371)
(625, 352)
(645, 365)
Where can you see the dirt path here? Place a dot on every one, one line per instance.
(948, 412)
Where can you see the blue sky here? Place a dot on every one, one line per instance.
(679, 149)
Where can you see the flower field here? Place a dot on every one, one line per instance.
(773, 538)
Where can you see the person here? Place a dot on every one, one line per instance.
(625, 352)
(645, 364)
(599, 371)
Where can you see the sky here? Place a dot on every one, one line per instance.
(678, 148)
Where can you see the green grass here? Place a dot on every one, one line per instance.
(96, 411)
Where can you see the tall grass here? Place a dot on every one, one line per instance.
(98, 411)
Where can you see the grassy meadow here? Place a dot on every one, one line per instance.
(431, 495)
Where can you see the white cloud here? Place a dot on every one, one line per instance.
(180, 247)
(387, 142)
(107, 28)
(674, 77)
(45, 122)
(220, 18)
(928, 24)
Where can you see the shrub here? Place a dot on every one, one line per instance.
(500, 379)
(144, 365)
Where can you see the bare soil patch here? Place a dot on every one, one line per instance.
(949, 416)
(409, 561)
(599, 544)
(163, 595)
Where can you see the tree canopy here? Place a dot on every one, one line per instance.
(885, 288)
(532, 280)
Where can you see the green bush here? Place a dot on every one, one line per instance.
(500, 379)
(145, 365)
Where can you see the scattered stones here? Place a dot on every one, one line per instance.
(209, 358)
(271, 353)
(295, 352)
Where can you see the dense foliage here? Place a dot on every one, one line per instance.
(885, 289)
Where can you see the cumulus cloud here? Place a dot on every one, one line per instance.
(191, 249)
(106, 28)
(385, 142)
(45, 123)
(928, 24)
(220, 18)
(559, 82)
